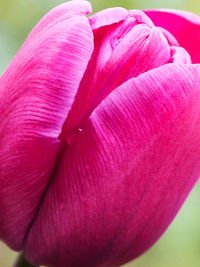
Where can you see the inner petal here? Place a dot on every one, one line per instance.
(122, 50)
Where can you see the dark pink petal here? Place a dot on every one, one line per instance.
(36, 94)
(129, 170)
(183, 25)
(122, 51)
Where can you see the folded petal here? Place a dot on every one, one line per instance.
(184, 26)
(127, 173)
(180, 55)
(36, 94)
(122, 51)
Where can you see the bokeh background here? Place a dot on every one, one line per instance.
(180, 245)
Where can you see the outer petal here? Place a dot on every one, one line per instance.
(183, 25)
(122, 181)
(63, 11)
(36, 94)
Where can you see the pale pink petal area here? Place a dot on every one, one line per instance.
(127, 173)
(183, 25)
(122, 51)
(140, 17)
(180, 55)
(36, 94)
(107, 17)
(61, 12)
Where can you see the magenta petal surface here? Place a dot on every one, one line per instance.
(127, 173)
(184, 26)
(36, 94)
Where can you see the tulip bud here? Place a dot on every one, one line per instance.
(99, 134)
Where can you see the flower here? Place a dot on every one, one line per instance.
(99, 135)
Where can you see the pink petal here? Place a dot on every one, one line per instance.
(183, 25)
(122, 51)
(37, 91)
(122, 181)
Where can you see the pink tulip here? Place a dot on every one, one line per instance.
(99, 135)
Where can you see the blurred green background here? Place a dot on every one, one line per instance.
(180, 246)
